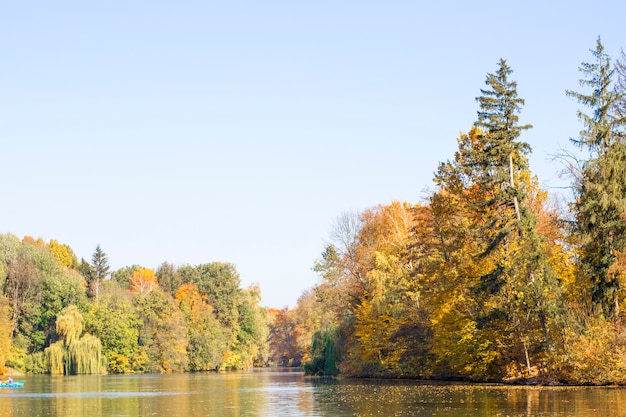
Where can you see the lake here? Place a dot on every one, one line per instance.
(267, 392)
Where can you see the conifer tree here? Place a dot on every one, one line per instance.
(600, 205)
(515, 276)
(501, 157)
(99, 270)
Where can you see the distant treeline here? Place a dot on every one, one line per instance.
(487, 279)
(62, 316)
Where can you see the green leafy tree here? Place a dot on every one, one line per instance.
(600, 205)
(86, 270)
(253, 336)
(220, 283)
(325, 355)
(114, 320)
(76, 353)
(169, 278)
(58, 291)
(163, 334)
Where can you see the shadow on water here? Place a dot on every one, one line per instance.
(416, 398)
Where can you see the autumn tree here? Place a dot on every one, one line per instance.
(207, 346)
(123, 275)
(29, 240)
(143, 281)
(342, 267)
(521, 277)
(283, 345)
(391, 323)
(63, 254)
(461, 343)
(504, 288)
(5, 333)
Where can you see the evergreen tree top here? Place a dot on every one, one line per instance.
(499, 104)
(100, 263)
(604, 125)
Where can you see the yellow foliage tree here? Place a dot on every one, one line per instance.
(29, 240)
(5, 333)
(143, 281)
(207, 345)
(390, 321)
(63, 254)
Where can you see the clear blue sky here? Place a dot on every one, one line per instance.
(199, 131)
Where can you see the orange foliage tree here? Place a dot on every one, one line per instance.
(143, 281)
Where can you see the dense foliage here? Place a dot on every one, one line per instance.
(486, 279)
(61, 316)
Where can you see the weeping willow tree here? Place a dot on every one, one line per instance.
(324, 354)
(74, 355)
(70, 324)
(53, 357)
(84, 356)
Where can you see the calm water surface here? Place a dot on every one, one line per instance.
(277, 393)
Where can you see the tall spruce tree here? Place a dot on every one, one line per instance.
(600, 204)
(99, 270)
(501, 157)
(515, 291)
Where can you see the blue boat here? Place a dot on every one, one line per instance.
(15, 384)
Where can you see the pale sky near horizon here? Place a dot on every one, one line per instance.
(201, 131)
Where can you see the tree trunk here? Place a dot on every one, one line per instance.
(515, 202)
(527, 357)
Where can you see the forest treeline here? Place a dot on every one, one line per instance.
(62, 316)
(487, 278)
